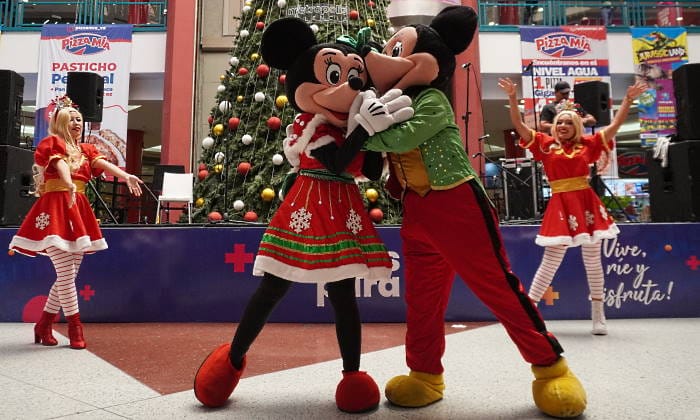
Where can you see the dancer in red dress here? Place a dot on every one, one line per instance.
(61, 224)
(575, 215)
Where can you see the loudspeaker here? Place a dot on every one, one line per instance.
(594, 97)
(158, 172)
(520, 189)
(674, 191)
(16, 175)
(686, 85)
(11, 97)
(87, 91)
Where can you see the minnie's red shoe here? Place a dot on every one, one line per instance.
(43, 330)
(217, 378)
(356, 393)
(75, 332)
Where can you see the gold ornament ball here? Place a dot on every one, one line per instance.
(371, 194)
(370, 23)
(254, 56)
(218, 168)
(259, 12)
(267, 194)
(199, 203)
(239, 98)
(249, 2)
(222, 77)
(281, 101)
(218, 129)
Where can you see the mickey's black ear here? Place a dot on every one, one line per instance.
(284, 40)
(456, 26)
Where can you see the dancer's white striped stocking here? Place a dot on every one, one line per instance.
(63, 293)
(553, 255)
(594, 269)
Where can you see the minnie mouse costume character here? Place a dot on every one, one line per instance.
(449, 225)
(321, 232)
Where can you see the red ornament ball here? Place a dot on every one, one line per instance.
(262, 71)
(243, 168)
(250, 216)
(214, 216)
(202, 166)
(210, 120)
(233, 123)
(282, 78)
(259, 25)
(370, 3)
(274, 123)
(354, 15)
(243, 71)
(376, 214)
(202, 174)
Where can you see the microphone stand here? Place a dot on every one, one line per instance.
(94, 189)
(529, 69)
(467, 113)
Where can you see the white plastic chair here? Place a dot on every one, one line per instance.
(176, 188)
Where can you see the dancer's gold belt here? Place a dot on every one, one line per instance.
(52, 185)
(569, 184)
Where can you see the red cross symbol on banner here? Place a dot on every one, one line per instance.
(239, 258)
(87, 292)
(693, 262)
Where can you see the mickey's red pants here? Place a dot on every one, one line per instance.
(456, 231)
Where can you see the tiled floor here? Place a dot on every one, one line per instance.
(645, 369)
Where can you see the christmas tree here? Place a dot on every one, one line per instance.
(242, 165)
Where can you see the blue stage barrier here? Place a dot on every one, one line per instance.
(203, 273)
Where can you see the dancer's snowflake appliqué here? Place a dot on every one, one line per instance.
(301, 219)
(589, 218)
(603, 212)
(573, 223)
(353, 222)
(42, 221)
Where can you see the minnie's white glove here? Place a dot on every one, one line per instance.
(377, 114)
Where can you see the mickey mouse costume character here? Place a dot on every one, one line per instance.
(449, 224)
(321, 232)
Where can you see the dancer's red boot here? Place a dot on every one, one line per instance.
(75, 332)
(43, 330)
(356, 393)
(217, 377)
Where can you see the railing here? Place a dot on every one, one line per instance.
(32, 15)
(615, 15)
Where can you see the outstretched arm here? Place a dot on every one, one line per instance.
(508, 87)
(132, 181)
(633, 93)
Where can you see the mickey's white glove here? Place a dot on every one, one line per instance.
(378, 114)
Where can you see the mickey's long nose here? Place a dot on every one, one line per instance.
(355, 83)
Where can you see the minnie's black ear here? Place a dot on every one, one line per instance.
(284, 40)
(456, 26)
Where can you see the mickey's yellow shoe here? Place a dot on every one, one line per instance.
(557, 391)
(418, 389)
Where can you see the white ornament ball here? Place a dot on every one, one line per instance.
(207, 142)
(277, 159)
(221, 88)
(314, 28)
(281, 4)
(247, 139)
(244, 33)
(219, 157)
(224, 106)
(238, 205)
(259, 97)
(246, 8)
(233, 61)
(391, 30)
